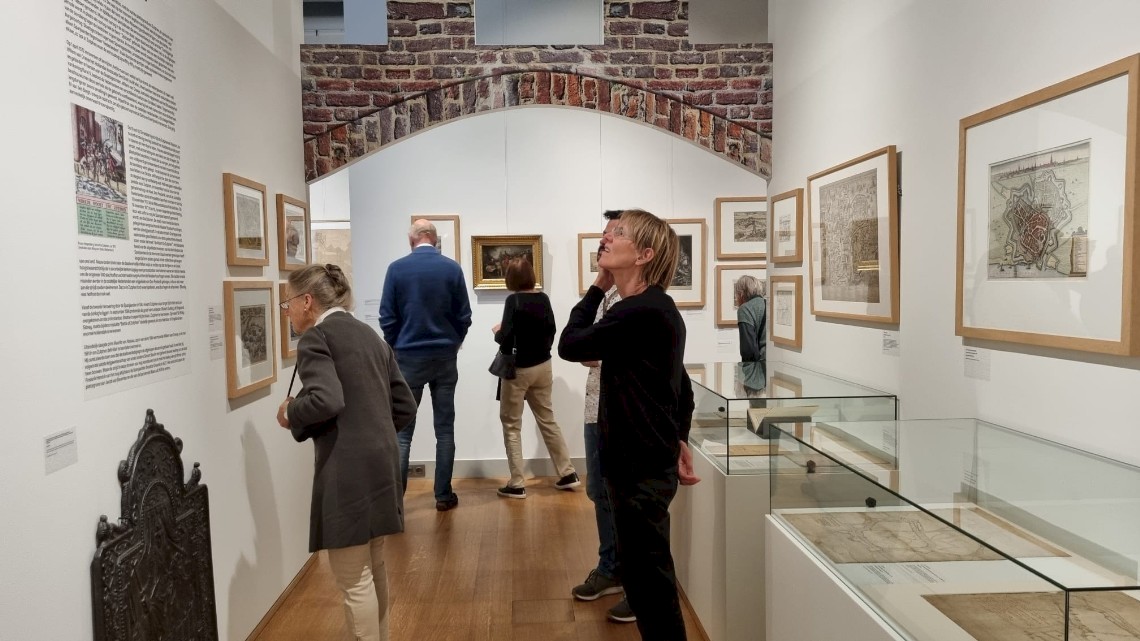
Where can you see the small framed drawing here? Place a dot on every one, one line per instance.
(447, 227)
(294, 242)
(490, 255)
(741, 227)
(247, 224)
(289, 338)
(786, 237)
(854, 223)
(726, 277)
(688, 286)
(587, 261)
(1047, 231)
(785, 318)
(332, 243)
(250, 339)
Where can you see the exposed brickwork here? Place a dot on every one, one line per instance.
(359, 98)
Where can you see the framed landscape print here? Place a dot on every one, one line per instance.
(854, 224)
(587, 261)
(294, 242)
(332, 243)
(688, 286)
(1047, 194)
(726, 277)
(786, 310)
(447, 226)
(250, 340)
(289, 338)
(247, 224)
(741, 227)
(785, 239)
(490, 255)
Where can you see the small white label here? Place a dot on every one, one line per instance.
(216, 318)
(60, 450)
(217, 347)
(977, 363)
(890, 343)
(372, 303)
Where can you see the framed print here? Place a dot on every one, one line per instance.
(332, 243)
(587, 261)
(741, 227)
(490, 255)
(854, 224)
(289, 338)
(786, 310)
(1046, 216)
(697, 373)
(447, 226)
(688, 286)
(294, 243)
(250, 340)
(726, 277)
(247, 225)
(785, 239)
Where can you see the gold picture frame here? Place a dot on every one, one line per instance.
(587, 260)
(741, 227)
(294, 234)
(247, 223)
(447, 226)
(785, 233)
(489, 256)
(251, 339)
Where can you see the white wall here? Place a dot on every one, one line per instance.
(549, 171)
(853, 77)
(240, 112)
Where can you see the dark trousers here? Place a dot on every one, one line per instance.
(641, 520)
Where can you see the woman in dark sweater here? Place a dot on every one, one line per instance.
(528, 329)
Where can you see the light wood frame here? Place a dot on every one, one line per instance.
(288, 342)
(482, 280)
(797, 283)
(586, 243)
(235, 387)
(456, 254)
(793, 198)
(1050, 297)
(721, 227)
(235, 255)
(694, 298)
(723, 297)
(887, 196)
(283, 261)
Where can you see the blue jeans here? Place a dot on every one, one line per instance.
(440, 375)
(603, 505)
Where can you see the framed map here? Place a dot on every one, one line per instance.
(1046, 204)
(741, 227)
(785, 238)
(294, 242)
(447, 227)
(332, 243)
(854, 220)
(247, 226)
(251, 361)
(688, 287)
(786, 310)
(1033, 616)
(587, 260)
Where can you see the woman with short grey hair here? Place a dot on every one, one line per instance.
(751, 318)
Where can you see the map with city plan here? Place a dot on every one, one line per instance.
(1039, 616)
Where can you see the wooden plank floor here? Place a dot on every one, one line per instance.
(493, 569)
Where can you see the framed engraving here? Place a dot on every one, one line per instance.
(786, 310)
(289, 338)
(741, 227)
(1046, 216)
(294, 236)
(854, 224)
(785, 238)
(447, 226)
(688, 286)
(247, 224)
(726, 277)
(587, 260)
(332, 243)
(250, 339)
(490, 255)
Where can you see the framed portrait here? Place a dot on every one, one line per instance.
(741, 227)
(294, 239)
(1047, 194)
(854, 223)
(587, 260)
(250, 339)
(447, 226)
(289, 338)
(332, 243)
(247, 224)
(786, 310)
(490, 255)
(785, 240)
(726, 277)
(688, 286)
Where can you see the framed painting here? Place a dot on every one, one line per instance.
(688, 286)
(250, 340)
(785, 240)
(587, 261)
(332, 243)
(289, 338)
(1047, 194)
(447, 227)
(490, 255)
(854, 224)
(294, 242)
(786, 310)
(247, 224)
(741, 227)
(726, 277)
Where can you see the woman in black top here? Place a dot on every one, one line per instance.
(528, 329)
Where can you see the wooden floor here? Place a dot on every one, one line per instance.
(493, 569)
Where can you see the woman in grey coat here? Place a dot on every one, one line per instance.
(352, 402)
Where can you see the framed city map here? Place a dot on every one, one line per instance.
(786, 236)
(247, 235)
(854, 224)
(1046, 201)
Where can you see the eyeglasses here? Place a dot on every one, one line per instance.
(618, 232)
(285, 303)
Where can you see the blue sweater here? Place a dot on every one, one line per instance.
(424, 310)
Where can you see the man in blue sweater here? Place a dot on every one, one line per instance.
(425, 314)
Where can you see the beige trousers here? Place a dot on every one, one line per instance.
(362, 577)
(532, 384)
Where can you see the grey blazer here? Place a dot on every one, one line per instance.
(352, 402)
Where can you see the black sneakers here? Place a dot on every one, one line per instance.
(596, 586)
(568, 482)
(449, 504)
(621, 613)
(512, 492)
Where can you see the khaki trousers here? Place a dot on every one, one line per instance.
(362, 577)
(532, 384)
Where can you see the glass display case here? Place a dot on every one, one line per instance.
(958, 530)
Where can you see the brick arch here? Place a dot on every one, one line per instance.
(348, 142)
